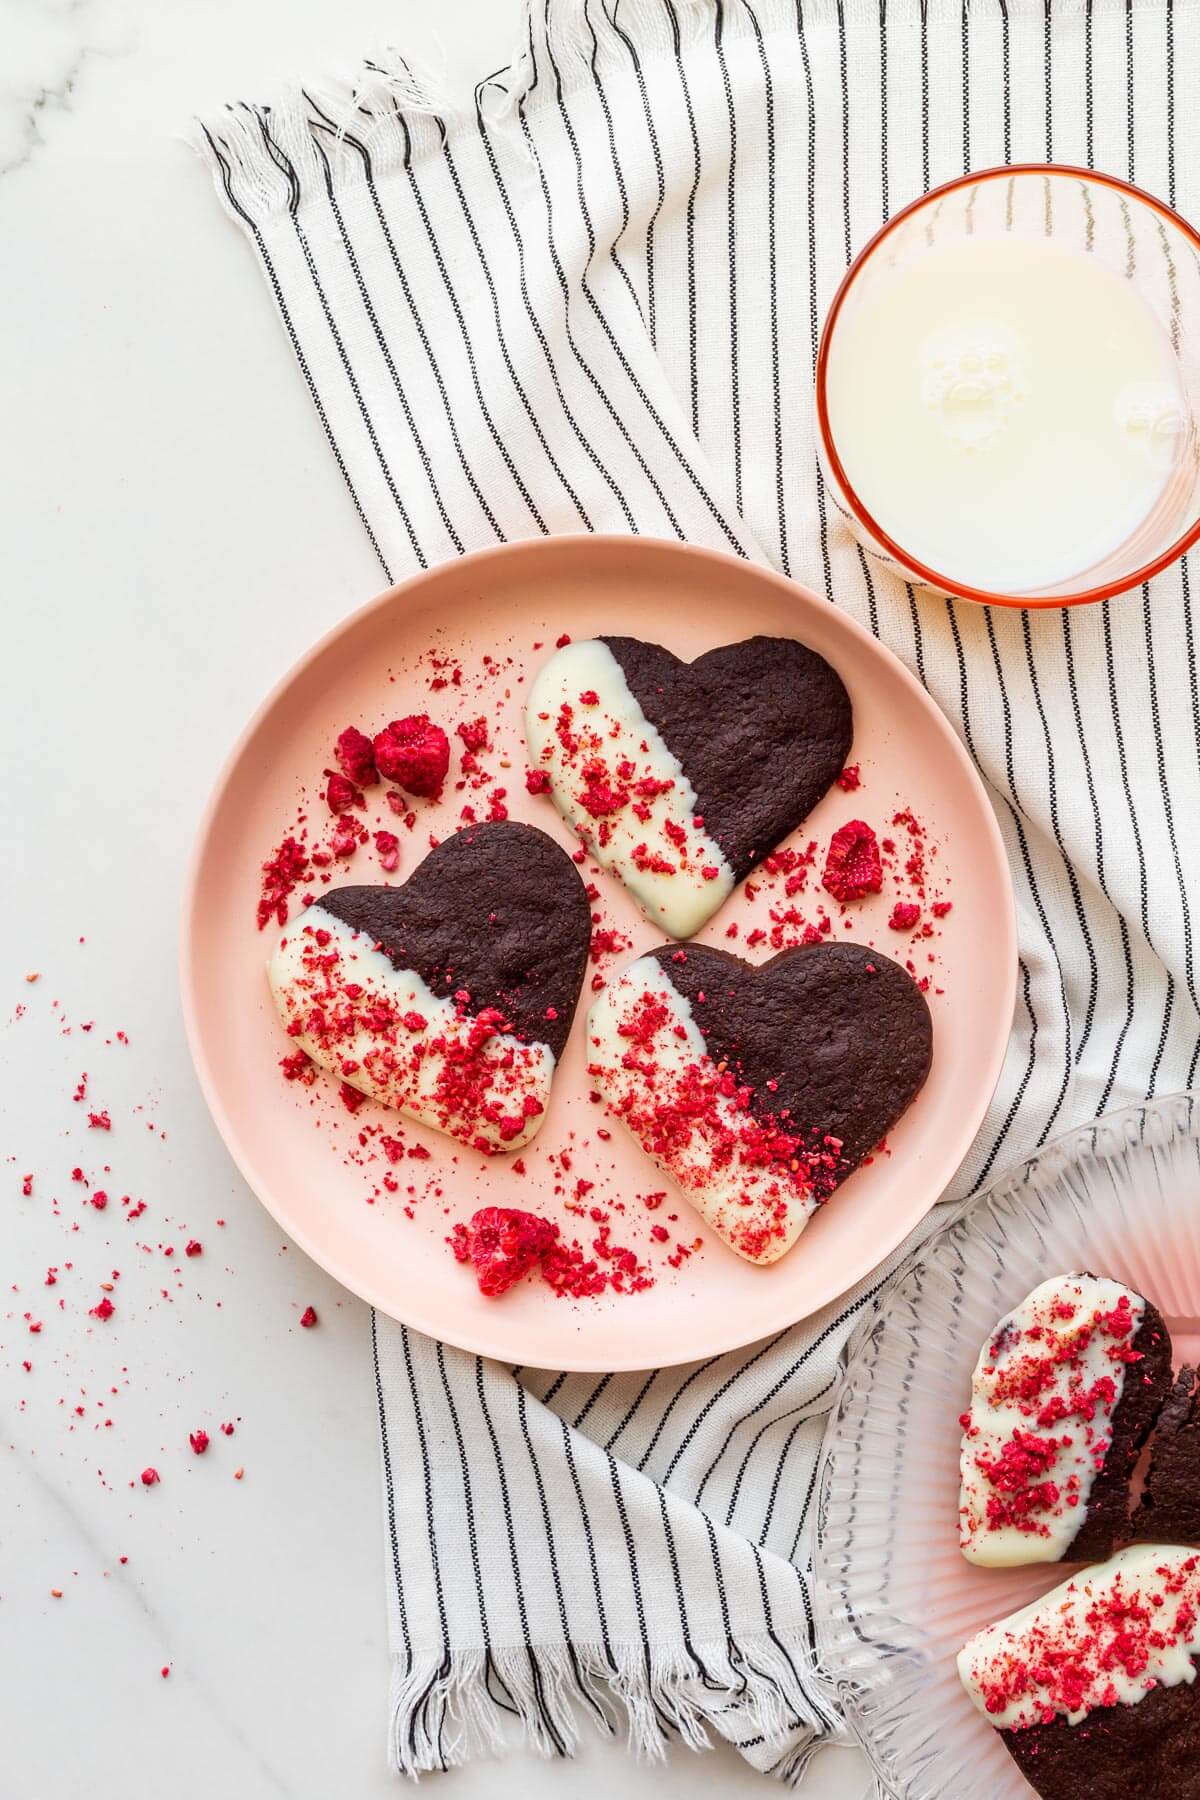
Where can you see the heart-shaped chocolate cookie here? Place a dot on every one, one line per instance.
(449, 998)
(759, 1090)
(678, 776)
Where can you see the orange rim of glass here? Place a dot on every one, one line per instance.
(920, 571)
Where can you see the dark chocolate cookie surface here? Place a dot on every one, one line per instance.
(1151, 1749)
(835, 1038)
(497, 911)
(761, 728)
(1146, 1387)
(1169, 1509)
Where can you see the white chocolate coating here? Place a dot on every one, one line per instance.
(647, 1058)
(385, 1032)
(617, 784)
(1043, 1394)
(1106, 1637)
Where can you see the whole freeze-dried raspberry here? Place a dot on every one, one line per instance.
(415, 753)
(502, 1244)
(852, 865)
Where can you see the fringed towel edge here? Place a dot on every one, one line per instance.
(273, 159)
(447, 1709)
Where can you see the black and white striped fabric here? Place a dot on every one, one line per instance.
(591, 302)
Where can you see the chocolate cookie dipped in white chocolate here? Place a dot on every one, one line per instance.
(1110, 1636)
(759, 1089)
(450, 997)
(678, 776)
(1060, 1375)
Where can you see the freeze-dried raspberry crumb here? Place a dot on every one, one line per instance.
(852, 865)
(474, 734)
(199, 1441)
(387, 845)
(99, 1121)
(340, 794)
(104, 1310)
(415, 753)
(350, 1097)
(149, 1477)
(298, 1067)
(537, 781)
(308, 1317)
(282, 871)
(560, 643)
(850, 778)
(904, 915)
(940, 908)
(502, 1245)
(356, 756)
(27, 1185)
(99, 1199)
(348, 834)
(193, 1247)
(165, 1670)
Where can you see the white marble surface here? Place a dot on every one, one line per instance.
(174, 534)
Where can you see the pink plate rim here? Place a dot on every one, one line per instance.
(477, 564)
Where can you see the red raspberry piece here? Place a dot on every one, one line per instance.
(388, 846)
(356, 757)
(537, 781)
(415, 753)
(852, 866)
(308, 1317)
(340, 794)
(149, 1477)
(502, 1245)
(199, 1441)
(474, 734)
(904, 915)
(104, 1310)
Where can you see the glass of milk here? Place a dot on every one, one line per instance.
(1008, 388)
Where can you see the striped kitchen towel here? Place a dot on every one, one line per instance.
(590, 301)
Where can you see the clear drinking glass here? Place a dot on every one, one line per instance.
(1134, 236)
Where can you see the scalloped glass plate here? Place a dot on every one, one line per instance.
(1120, 1197)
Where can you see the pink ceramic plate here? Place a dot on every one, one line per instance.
(301, 1151)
